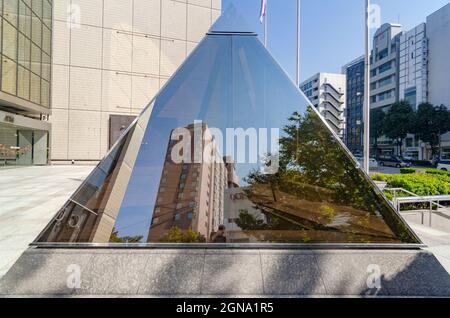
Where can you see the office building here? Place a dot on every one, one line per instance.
(384, 66)
(25, 76)
(384, 75)
(413, 79)
(110, 59)
(413, 68)
(354, 132)
(326, 91)
(438, 33)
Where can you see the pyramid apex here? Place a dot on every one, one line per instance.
(231, 21)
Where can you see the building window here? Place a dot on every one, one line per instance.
(26, 36)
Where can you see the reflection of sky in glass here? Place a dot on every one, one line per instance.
(228, 82)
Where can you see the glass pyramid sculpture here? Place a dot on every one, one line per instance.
(229, 151)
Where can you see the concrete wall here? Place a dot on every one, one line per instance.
(112, 57)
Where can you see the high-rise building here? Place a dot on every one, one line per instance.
(110, 59)
(354, 130)
(385, 66)
(191, 194)
(25, 47)
(438, 33)
(413, 72)
(326, 91)
(384, 71)
(413, 78)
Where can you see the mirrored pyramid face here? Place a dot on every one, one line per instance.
(229, 151)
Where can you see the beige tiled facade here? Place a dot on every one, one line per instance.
(112, 57)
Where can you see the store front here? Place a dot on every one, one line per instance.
(23, 141)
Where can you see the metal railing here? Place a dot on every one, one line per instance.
(433, 201)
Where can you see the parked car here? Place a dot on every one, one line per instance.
(393, 161)
(372, 162)
(444, 165)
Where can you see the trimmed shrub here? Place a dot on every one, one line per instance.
(420, 184)
(408, 170)
(380, 177)
(423, 163)
(438, 172)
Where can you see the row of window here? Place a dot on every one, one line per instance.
(25, 29)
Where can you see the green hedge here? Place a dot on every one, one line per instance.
(381, 177)
(423, 163)
(418, 183)
(408, 170)
(438, 172)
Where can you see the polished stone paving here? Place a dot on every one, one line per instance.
(29, 198)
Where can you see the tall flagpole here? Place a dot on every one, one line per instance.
(298, 42)
(367, 90)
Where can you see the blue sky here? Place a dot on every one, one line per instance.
(332, 30)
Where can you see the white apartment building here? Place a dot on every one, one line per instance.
(413, 69)
(110, 57)
(326, 91)
(384, 66)
(413, 79)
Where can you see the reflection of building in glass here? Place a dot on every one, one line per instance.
(91, 213)
(191, 194)
(237, 202)
(232, 177)
(111, 58)
(326, 92)
(25, 38)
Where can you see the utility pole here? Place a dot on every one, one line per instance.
(367, 90)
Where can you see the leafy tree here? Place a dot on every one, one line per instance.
(377, 117)
(431, 123)
(115, 238)
(399, 121)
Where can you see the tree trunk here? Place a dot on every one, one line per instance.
(274, 194)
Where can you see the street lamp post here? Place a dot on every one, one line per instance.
(367, 90)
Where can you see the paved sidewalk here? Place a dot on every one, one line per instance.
(29, 198)
(438, 243)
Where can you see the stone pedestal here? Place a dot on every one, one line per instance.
(225, 272)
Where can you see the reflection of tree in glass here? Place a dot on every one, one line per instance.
(318, 188)
(176, 235)
(124, 239)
